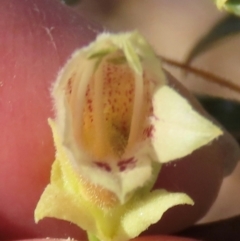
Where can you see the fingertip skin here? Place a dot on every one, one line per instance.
(36, 39)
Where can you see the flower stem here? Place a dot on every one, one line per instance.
(203, 74)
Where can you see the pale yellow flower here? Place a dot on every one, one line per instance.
(116, 122)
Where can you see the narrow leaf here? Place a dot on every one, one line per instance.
(227, 112)
(227, 27)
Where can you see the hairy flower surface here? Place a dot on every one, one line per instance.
(116, 122)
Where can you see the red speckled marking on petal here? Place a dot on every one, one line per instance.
(104, 166)
(127, 164)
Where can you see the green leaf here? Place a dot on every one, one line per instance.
(227, 112)
(224, 29)
(232, 6)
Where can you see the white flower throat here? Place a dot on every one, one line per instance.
(110, 108)
(116, 117)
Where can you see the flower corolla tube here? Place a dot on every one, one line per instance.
(117, 121)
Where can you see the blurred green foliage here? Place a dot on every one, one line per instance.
(232, 6)
(223, 30)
